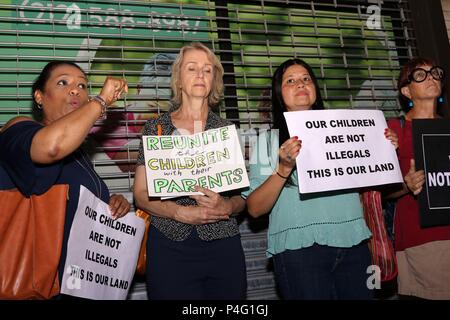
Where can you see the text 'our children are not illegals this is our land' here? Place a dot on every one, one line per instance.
(342, 149)
(101, 252)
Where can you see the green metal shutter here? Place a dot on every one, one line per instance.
(355, 48)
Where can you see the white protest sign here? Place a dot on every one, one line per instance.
(342, 149)
(102, 252)
(210, 159)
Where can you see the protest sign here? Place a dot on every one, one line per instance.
(210, 159)
(342, 149)
(431, 152)
(102, 252)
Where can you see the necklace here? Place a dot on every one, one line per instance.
(91, 172)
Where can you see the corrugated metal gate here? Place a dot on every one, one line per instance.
(354, 46)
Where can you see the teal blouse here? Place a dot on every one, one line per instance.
(297, 221)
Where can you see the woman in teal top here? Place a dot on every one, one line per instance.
(318, 243)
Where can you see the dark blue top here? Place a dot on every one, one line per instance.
(17, 170)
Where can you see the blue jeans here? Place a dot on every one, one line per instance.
(322, 272)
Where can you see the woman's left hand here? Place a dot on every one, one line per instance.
(213, 200)
(119, 206)
(392, 136)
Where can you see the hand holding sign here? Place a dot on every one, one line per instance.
(221, 206)
(391, 136)
(118, 205)
(287, 154)
(415, 179)
(198, 215)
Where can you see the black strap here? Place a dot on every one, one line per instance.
(402, 121)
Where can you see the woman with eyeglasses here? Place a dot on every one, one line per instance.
(423, 254)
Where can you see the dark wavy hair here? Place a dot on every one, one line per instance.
(278, 105)
(41, 81)
(403, 79)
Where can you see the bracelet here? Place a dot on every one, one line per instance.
(102, 104)
(281, 175)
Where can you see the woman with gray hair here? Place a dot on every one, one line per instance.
(194, 249)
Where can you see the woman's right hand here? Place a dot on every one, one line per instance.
(198, 215)
(113, 89)
(414, 179)
(287, 154)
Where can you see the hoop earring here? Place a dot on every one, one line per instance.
(410, 104)
(39, 106)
